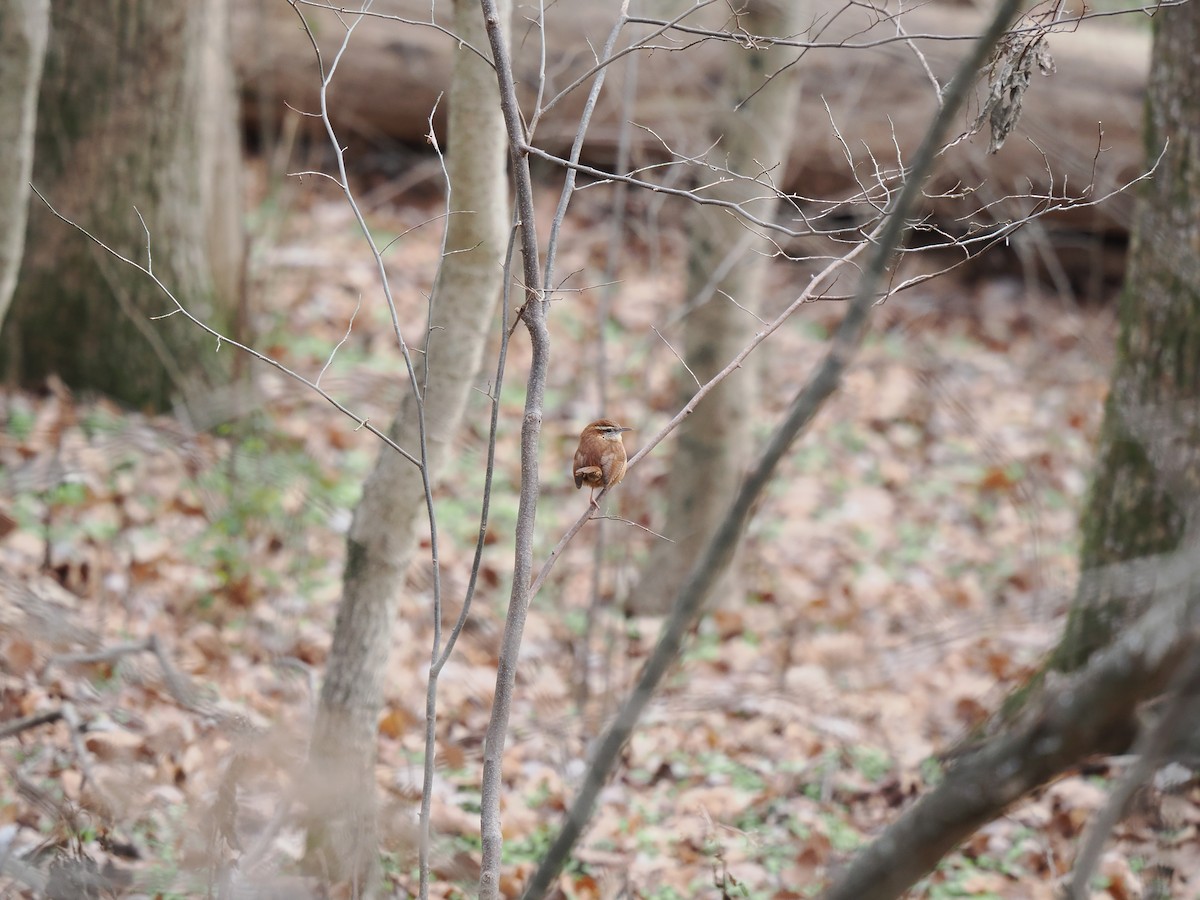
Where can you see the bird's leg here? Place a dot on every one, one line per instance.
(592, 501)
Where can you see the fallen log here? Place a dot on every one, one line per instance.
(1080, 125)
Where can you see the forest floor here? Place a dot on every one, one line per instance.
(912, 564)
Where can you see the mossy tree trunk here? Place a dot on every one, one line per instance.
(726, 265)
(1144, 496)
(137, 110)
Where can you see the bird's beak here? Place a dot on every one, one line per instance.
(624, 428)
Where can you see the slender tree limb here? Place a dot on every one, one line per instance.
(178, 685)
(490, 464)
(846, 340)
(900, 37)
(810, 293)
(1046, 204)
(609, 57)
(424, 820)
(440, 660)
(613, 258)
(107, 654)
(533, 314)
(359, 421)
(1151, 751)
(568, 189)
(424, 23)
(13, 727)
(1089, 711)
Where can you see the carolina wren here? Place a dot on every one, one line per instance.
(600, 459)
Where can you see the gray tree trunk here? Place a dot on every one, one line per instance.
(24, 26)
(713, 443)
(137, 109)
(1145, 497)
(383, 535)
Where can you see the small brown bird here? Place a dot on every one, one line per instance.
(600, 459)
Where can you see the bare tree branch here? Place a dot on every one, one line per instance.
(533, 314)
(846, 339)
(13, 727)
(1089, 711)
(1176, 719)
(900, 37)
(222, 339)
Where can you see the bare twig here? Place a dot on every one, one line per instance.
(490, 465)
(345, 337)
(534, 315)
(431, 687)
(1088, 711)
(638, 525)
(585, 118)
(425, 23)
(614, 255)
(1150, 752)
(82, 757)
(807, 296)
(439, 661)
(222, 339)
(176, 682)
(741, 38)
(611, 58)
(917, 52)
(107, 654)
(846, 339)
(675, 353)
(13, 727)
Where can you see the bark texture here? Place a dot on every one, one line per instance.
(24, 26)
(1146, 493)
(383, 535)
(137, 110)
(725, 270)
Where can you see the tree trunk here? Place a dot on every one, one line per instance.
(1144, 497)
(724, 273)
(24, 25)
(383, 535)
(137, 114)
